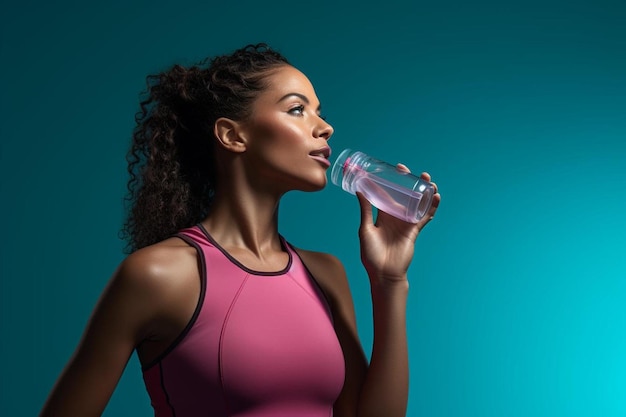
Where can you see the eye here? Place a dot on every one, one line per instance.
(298, 110)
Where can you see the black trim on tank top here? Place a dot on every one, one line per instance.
(167, 396)
(241, 266)
(196, 312)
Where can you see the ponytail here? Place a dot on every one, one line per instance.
(170, 162)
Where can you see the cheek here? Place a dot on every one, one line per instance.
(285, 133)
(278, 142)
(274, 142)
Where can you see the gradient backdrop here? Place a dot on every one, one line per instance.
(518, 109)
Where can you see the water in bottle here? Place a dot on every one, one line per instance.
(389, 189)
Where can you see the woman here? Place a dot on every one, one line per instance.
(227, 318)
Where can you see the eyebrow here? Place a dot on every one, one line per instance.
(301, 97)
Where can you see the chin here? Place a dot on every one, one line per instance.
(315, 186)
(312, 189)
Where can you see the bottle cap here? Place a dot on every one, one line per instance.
(339, 167)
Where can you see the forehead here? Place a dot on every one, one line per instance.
(286, 80)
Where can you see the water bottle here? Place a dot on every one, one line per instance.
(389, 189)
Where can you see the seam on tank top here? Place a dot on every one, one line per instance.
(196, 312)
(222, 332)
(167, 396)
(242, 266)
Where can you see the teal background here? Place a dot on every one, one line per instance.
(517, 109)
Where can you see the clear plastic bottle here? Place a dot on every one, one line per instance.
(389, 189)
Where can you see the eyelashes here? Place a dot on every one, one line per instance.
(299, 111)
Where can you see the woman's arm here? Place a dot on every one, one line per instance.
(387, 249)
(122, 318)
(380, 389)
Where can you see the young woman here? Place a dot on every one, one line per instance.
(228, 318)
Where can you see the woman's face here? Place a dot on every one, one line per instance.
(286, 135)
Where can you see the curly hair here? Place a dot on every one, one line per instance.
(171, 160)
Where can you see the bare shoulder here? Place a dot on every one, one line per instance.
(159, 267)
(326, 261)
(155, 282)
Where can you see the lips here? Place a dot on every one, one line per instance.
(321, 155)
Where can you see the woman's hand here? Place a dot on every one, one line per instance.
(387, 246)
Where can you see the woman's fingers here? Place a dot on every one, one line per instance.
(402, 167)
(425, 176)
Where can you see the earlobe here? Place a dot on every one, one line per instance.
(228, 134)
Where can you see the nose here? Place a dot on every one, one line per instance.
(323, 130)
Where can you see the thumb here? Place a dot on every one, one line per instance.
(366, 210)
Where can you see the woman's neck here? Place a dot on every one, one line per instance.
(245, 220)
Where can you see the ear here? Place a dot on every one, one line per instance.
(228, 134)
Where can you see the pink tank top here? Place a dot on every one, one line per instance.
(259, 344)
